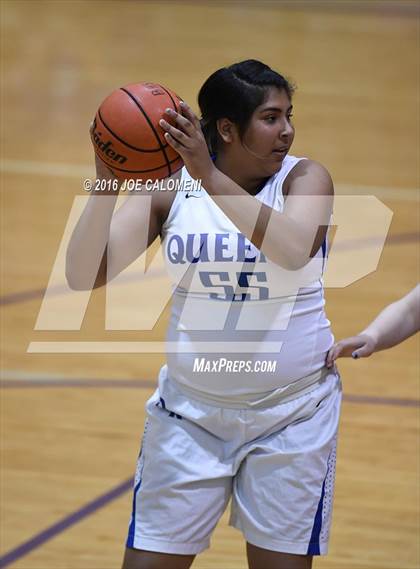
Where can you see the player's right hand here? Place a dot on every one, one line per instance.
(112, 184)
(361, 346)
(102, 170)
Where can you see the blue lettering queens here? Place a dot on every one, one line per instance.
(219, 247)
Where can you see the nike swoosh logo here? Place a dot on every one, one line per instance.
(191, 196)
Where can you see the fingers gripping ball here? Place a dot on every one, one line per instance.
(126, 134)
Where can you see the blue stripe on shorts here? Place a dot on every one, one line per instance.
(130, 538)
(313, 548)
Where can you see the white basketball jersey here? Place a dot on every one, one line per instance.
(232, 304)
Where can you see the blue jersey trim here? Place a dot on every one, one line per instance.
(324, 248)
(324, 253)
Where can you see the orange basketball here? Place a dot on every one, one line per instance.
(126, 134)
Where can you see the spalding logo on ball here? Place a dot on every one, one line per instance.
(126, 134)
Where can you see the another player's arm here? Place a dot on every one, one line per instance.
(397, 322)
(104, 243)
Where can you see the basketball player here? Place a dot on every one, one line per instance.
(245, 407)
(397, 322)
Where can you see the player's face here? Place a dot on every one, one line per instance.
(270, 132)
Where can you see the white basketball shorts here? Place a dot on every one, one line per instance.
(276, 463)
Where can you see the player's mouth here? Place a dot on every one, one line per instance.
(281, 152)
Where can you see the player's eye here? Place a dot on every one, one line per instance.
(270, 119)
(290, 116)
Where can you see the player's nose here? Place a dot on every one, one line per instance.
(286, 130)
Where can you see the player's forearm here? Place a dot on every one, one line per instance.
(393, 325)
(280, 238)
(88, 242)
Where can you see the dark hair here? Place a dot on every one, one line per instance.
(235, 92)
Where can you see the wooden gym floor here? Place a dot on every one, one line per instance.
(71, 422)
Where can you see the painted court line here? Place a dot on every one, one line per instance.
(45, 535)
(149, 347)
(53, 169)
(373, 400)
(63, 170)
(101, 501)
(60, 289)
(37, 382)
(57, 290)
(85, 383)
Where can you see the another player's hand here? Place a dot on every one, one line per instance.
(361, 346)
(188, 140)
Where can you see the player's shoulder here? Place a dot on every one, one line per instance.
(307, 166)
(309, 176)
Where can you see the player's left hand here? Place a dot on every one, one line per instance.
(188, 140)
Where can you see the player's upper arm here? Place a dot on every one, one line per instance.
(309, 203)
(134, 227)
